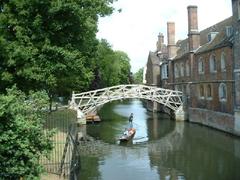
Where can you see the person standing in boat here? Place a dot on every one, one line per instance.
(130, 120)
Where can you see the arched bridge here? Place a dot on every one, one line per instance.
(87, 102)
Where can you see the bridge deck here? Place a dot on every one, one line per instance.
(87, 102)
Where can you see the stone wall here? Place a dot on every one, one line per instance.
(218, 120)
(237, 123)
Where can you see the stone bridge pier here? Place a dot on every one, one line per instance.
(180, 114)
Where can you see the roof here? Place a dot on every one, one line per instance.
(214, 28)
(182, 46)
(153, 58)
(219, 41)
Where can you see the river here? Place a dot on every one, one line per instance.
(161, 148)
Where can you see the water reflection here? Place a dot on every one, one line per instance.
(161, 148)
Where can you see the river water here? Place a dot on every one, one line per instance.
(162, 149)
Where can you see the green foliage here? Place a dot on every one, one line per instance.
(22, 139)
(49, 44)
(111, 67)
(138, 76)
(124, 64)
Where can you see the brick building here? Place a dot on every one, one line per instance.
(152, 76)
(206, 68)
(236, 65)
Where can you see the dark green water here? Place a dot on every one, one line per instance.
(161, 149)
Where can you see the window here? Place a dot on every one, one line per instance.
(222, 92)
(176, 87)
(182, 69)
(167, 70)
(229, 31)
(209, 91)
(213, 63)
(187, 69)
(211, 36)
(176, 70)
(223, 62)
(164, 71)
(180, 88)
(200, 66)
(201, 91)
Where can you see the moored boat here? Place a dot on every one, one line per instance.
(127, 135)
(92, 118)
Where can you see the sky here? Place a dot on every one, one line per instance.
(135, 29)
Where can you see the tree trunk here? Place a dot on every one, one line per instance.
(50, 102)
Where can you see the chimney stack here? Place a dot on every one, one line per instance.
(171, 39)
(193, 34)
(160, 42)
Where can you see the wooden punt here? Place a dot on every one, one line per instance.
(92, 118)
(128, 136)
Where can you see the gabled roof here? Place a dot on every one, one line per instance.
(183, 49)
(153, 58)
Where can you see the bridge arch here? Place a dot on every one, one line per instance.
(87, 102)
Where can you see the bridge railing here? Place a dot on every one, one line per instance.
(88, 101)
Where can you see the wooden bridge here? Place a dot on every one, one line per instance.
(88, 102)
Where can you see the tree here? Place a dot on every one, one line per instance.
(49, 44)
(124, 64)
(111, 67)
(107, 65)
(44, 45)
(22, 139)
(138, 76)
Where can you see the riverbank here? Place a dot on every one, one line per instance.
(52, 177)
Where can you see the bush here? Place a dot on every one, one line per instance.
(22, 138)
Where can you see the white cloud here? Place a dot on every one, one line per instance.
(136, 28)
